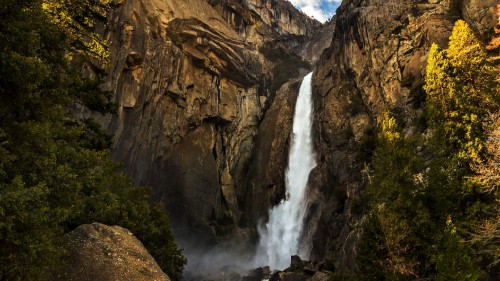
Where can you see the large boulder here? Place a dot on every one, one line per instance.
(97, 252)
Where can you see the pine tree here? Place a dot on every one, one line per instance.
(399, 222)
(460, 84)
(423, 211)
(55, 170)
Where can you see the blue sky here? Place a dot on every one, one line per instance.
(321, 10)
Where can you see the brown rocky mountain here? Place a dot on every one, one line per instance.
(206, 90)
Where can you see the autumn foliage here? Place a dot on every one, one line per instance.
(433, 201)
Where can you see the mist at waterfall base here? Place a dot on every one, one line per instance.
(280, 236)
(224, 259)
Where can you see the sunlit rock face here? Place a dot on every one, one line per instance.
(376, 61)
(481, 14)
(193, 80)
(247, 16)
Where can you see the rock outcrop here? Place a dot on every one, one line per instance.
(108, 253)
(376, 61)
(250, 15)
(299, 270)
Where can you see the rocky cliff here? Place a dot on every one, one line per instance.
(206, 91)
(193, 80)
(376, 61)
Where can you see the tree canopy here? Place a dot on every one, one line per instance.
(433, 200)
(55, 170)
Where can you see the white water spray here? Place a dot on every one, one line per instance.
(279, 238)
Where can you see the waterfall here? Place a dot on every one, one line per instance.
(279, 238)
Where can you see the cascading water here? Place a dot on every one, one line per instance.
(279, 238)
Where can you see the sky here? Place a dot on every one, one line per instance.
(321, 10)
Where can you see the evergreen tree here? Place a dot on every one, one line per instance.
(488, 173)
(55, 171)
(399, 224)
(79, 19)
(424, 210)
(460, 83)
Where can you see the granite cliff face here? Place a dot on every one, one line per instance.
(193, 80)
(376, 61)
(206, 91)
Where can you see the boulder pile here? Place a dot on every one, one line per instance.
(299, 270)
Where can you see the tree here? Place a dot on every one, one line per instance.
(488, 173)
(55, 170)
(424, 210)
(397, 229)
(460, 84)
(79, 19)
(462, 88)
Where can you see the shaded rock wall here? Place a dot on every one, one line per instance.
(313, 48)
(375, 62)
(266, 185)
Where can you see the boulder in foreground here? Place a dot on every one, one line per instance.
(100, 252)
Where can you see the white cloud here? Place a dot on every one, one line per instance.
(315, 13)
(321, 10)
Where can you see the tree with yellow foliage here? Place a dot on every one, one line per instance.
(462, 92)
(80, 19)
(461, 86)
(423, 210)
